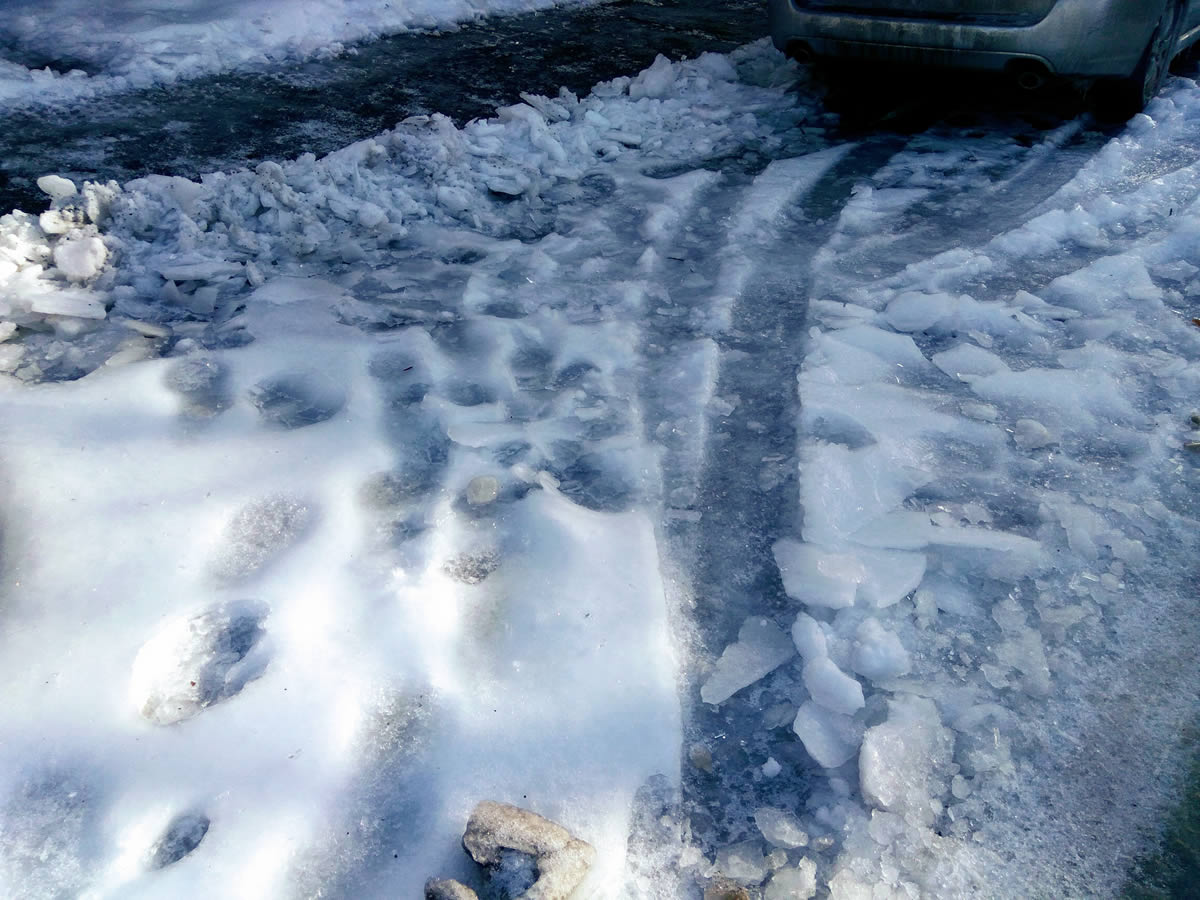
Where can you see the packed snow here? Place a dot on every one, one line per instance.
(60, 50)
(344, 494)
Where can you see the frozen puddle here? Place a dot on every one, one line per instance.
(344, 494)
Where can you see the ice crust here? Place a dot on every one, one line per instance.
(367, 472)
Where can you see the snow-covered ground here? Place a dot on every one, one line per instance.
(62, 50)
(529, 460)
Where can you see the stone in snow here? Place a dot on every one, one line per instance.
(482, 490)
(761, 647)
(562, 860)
(438, 889)
(818, 576)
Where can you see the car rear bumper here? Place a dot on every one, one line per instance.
(1087, 38)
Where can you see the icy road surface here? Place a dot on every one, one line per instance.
(807, 515)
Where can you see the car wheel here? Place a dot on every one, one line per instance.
(1121, 99)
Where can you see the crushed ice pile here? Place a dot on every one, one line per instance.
(334, 498)
(183, 252)
(53, 51)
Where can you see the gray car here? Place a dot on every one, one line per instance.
(1123, 46)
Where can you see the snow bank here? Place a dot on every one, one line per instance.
(83, 49)
(172, 253)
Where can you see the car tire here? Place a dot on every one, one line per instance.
(1118, 100)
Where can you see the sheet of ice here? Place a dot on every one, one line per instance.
(86, 49)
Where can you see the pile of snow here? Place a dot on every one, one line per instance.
(169, 253)
(83, 49)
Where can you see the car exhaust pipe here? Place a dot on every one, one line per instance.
(1029, 76)
(800, 52)
(1030, 80)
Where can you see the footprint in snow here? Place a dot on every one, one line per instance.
(181, 837)
(258, 533)
(597, 482)
(48, 836)
(195, 662)
(202, 383)
(297, 399)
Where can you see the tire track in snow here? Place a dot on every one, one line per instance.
(729, 487)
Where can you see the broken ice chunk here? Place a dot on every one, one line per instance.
(743, 862)
(915, 311)
(798, 883)
(891, 575)
(903, 760)
(655, 81)
(77, 302)
(56, 186)
(821, 577)
(830, 739)
(781, 828)
(809, 638)
(1030, 434)
(761, 647)
(80, 258)
(832, 688)
(818, 577)
(966, 360)
(899, 530)
(1026, 654)
(878, 653)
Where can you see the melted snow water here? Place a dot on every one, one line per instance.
(231, 120)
